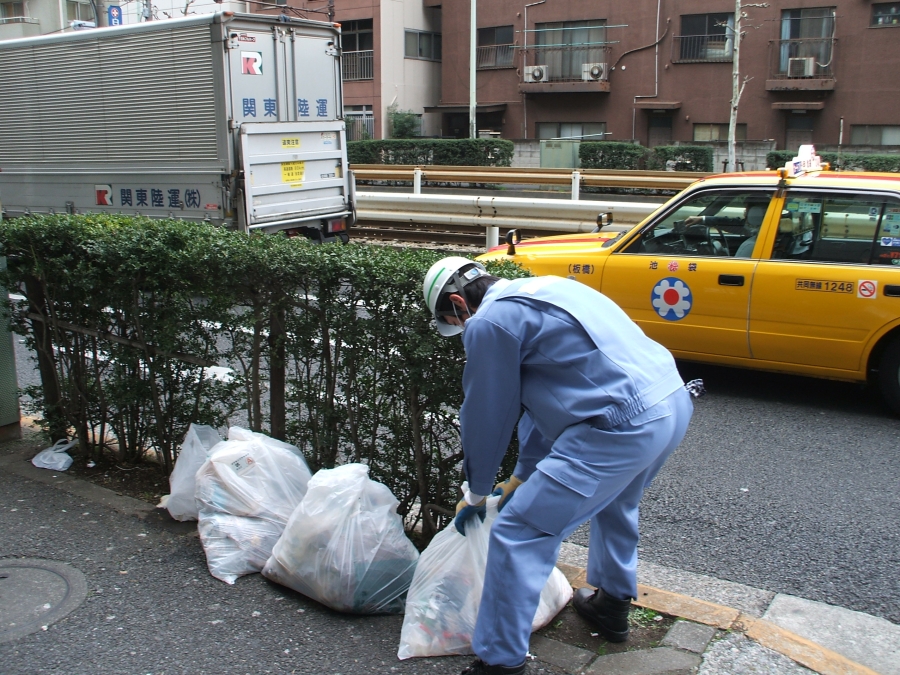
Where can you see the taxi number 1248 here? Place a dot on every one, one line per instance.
(826, 286)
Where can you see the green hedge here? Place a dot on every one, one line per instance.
(331, 346)
(431, 151)
(611, 155)
(686, 157)
(848, 162)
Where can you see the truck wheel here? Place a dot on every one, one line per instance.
(889, 375)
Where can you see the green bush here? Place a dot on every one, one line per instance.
(331, 346)
(404, 123)
(432, 151)
(686, 158)
(611, 155)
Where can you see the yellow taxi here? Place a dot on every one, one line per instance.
(795, 270)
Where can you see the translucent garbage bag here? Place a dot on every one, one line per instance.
(55, 457)
(198, 441)
(236, 545)
(344, 545)
(443, 599)
(259, 481)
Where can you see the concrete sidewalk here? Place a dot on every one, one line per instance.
(108, 584)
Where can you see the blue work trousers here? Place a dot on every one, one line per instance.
(590, 473)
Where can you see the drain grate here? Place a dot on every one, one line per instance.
(36, 593)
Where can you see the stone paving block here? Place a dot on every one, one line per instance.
(688, 635)
(559, 654)
(658, 661)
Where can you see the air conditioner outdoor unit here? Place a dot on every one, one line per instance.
(593, 72)
(536, 74)
(804, 66)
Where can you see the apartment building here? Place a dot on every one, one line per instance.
(392, 58)
(660, 71)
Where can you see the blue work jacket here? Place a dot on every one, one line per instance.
(565, 353)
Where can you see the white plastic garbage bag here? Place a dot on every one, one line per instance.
(345, 545)
(55, 457)
(443, 599)
(258, 481)
(198, 441)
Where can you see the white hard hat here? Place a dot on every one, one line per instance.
(444, 277)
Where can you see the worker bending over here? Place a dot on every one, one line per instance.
(604, 406)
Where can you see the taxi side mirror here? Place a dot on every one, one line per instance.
(603, 219)
(513, 237)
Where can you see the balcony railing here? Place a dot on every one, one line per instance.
(19, 19)
(495, 56)
(360, 126)
(802, 58)
(357, 65)
(702, 48)
(567, 64)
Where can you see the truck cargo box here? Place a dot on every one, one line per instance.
(231, 118)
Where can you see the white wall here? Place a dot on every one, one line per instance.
(411, 84)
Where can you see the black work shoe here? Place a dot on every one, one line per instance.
(479, 667)
(609, 615)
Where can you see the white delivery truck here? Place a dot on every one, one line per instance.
(235, 119)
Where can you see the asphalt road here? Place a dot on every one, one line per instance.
(784, 483)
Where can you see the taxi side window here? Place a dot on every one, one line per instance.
(839, 228)
(711, 223)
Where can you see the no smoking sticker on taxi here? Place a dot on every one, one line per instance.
(866, 288)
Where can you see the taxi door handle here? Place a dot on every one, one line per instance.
(891, 290)
(731, 280)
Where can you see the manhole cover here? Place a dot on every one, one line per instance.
(36, 593)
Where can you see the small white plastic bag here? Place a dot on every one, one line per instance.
(443, 599)
(55, 457)
(198, 442)
(344, 545)
(260, 481)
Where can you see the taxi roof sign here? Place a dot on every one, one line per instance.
(806, 160)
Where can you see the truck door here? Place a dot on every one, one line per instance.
(286, 102)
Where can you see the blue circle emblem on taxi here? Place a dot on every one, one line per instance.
(672, 299)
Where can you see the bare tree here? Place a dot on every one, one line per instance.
(184, 10)
(737, 84)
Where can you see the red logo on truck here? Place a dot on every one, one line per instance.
(104, 195)
(251, 63)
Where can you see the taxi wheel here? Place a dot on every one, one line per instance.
(889, 375)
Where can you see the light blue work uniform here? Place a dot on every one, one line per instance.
(604, 407)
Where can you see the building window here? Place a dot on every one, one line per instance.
(495, 47)
(12, 10)
(807, 37)
(423, 45)
(705, 37)
(566, 47)
(718, 132)
(886, 14)
(874, 134)
(356, 36)
(360, 120)
(582, 131)
(79, 11)
(358, 50)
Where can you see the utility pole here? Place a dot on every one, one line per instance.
(473, 54)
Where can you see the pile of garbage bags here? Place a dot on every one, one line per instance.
(335, 537)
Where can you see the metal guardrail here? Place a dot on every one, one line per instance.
(659, 180)
(491, 213)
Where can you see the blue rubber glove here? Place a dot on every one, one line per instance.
(505, 490)
(466, 511)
